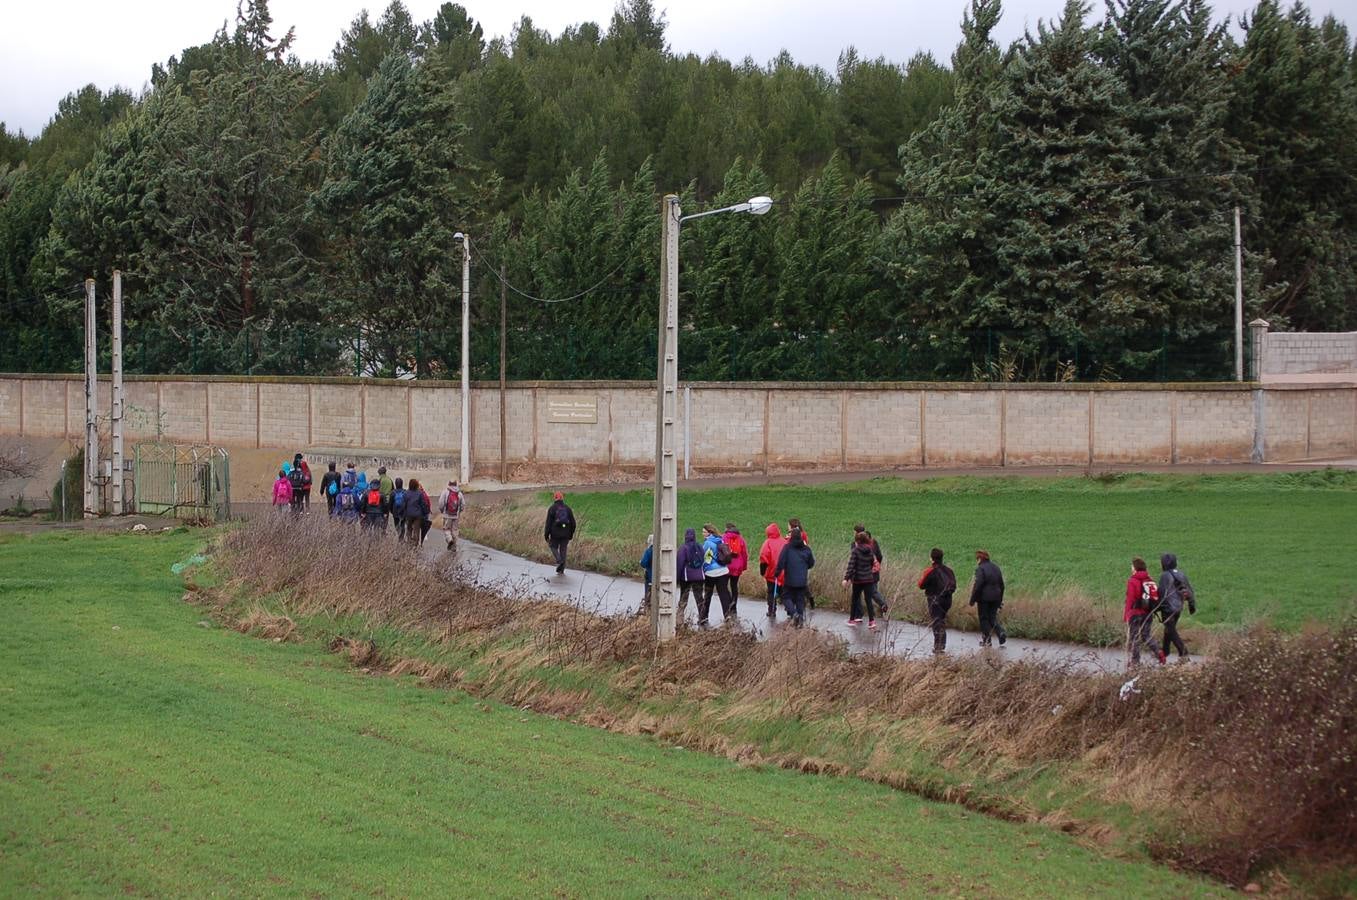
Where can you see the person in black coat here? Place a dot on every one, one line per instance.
(330, 477)
(987, 596)
(859, 573)
(938, 583)
(560, 528)
(793, 566)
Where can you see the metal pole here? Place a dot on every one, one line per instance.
(62, 485)
(665, 521)
(1238, 300)
(91, 400)
(503, 355)
(465, 458)
(117, 418)
(687, 433)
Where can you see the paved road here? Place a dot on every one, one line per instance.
(611, 596)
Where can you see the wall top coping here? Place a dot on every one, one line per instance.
(828, 386)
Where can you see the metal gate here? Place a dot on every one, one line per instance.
(187, 482)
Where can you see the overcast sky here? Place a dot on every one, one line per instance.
(49, 48)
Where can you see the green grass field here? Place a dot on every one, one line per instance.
(1259, 548)
(144, 752)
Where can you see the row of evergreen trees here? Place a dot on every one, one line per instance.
(1058, 208)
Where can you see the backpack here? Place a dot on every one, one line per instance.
(345, 501)
(947, 579)
(560, 519)
(398, 503)
(722, 555)
(692, 566)
(333, 489)
(1149, 595)
(297, 479)
(374, 499)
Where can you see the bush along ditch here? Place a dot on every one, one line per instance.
(1229, 768)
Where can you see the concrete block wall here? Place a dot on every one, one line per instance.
(1289, 355)
(735, 427)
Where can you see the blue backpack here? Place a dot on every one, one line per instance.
(398, 503)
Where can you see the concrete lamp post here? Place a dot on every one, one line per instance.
(464, 457)
(664, 591)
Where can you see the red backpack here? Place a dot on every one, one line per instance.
(374, 498)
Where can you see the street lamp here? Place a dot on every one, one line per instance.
(464, 458)
(664, 600)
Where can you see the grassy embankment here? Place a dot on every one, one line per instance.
(1272, 549)
(147, 751)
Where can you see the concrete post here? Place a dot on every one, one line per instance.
(91, 507)
(119, 503)
(664, 590)
(1258, 338)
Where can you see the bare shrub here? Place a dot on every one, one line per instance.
(1244, 760)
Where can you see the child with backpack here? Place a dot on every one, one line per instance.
(938, 583)
(373, 508)
(739, 559)
(1142, 602)
(418, 512)
(1175, 592)
(560, 529)
(299, 480)
(647, 558)
(346, 496)
(282, 491)
(792, 572)
(690, 577)
(858, 573)
(398, 508)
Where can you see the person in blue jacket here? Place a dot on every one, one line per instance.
(716, 556)
(646, 567)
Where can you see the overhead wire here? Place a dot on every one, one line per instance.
(494, 271)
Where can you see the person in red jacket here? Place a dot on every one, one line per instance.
(739, 558)
(1142, 599)
(768, 556)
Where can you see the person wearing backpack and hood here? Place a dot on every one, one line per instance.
(559, 530)
(938, 584)
(769, 554)
(329, 488)
(374, 508)
(716, 571)
(1142, 599)
(1175, 592)
(299, 462)
(398, 508)
(282, 491)
(987, 596)
(859, 573)
(690, 577)
(359, 492)
(792, 572)
(739, 559)
(300, 483)
(794, 524)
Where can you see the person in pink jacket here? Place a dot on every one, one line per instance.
(739, 559)
(282, 491)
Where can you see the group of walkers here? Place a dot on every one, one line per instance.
(374, 505)
(714, 565)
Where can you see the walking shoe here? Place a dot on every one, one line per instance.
(1003, 639)
(449, 545)
(872, 625)
(560, 570)
(854, 621)
(885, 608)
(1163, 658)
(798, 621)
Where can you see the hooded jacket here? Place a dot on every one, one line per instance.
(550, 533)
(1170, 595)
(770, 551)
(739, 552)
(988, 586)
(282, 491)
(1133, 592)
(794, 564)
(860, 559)
(689, 559)
(710, 567)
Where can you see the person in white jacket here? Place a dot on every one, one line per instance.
(450, 505)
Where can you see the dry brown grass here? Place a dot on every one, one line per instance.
(1248, 759)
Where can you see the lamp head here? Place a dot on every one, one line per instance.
(459, 237)
(760, 205)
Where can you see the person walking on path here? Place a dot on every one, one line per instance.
(385, 485)
(689, 566)
(769, 554)
(1175, 592)
(559, 530)
(299, 482)
(647, 568)
(795, 523)
(282, 491)
(792, 572)
(329, 488)
(739, 559)
(418, 512)
(398, 493)
(876, 597)
(299, 462)
(858, 573)
(987, 596)
(1142, 599)
(938, 583)
(372, 509)
(716, 571)
(450, 506)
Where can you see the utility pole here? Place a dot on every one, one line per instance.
(465, 457)
(91, 508)
(503, 355)
(119, 501)
(664, 595)
(1238, 300)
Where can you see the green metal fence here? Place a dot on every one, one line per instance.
(186, 482)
